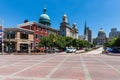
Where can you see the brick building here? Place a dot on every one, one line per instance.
(40, 29)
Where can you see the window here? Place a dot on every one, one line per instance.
(36, 36)
(36, 27)
(11, 35)
(23, 35)
(31, 28)
(40, 29)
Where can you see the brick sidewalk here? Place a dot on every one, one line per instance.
(59, 67)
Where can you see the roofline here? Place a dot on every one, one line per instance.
(36, 23)
(17, 29)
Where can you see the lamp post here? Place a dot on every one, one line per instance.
(29, 48)
(9, 33)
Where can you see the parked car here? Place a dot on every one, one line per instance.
(71, 50)
(56, 50)
(108, 50)
(113, 50)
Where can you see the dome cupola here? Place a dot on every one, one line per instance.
(101, 33)
(65, 18)
(44, 18)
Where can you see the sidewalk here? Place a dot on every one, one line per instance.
(80, 51)
(114, 54)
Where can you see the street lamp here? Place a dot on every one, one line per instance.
(29, 48)
(9, 33)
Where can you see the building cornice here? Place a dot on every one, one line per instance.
(37, 24)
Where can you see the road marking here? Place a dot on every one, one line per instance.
(10, 76)
(110, 66)
(32, 78)
(56, 68)
(86, 72)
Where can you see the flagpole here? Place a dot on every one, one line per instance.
(2, 36)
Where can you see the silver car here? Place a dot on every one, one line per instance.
(70, 50)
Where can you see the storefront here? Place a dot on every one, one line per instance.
(17, 39)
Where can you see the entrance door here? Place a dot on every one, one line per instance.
(24, 47)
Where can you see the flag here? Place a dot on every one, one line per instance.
(0, 28)
(0, 37)
(0, 34)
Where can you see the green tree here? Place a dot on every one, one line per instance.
(114, 42)
(60, 42)
(44, 42)
(69, 41)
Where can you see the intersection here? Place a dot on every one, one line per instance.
(60, 67)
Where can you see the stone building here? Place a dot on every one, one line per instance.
(66, 30)
(87, 34)
(101, 38)
(114, 33)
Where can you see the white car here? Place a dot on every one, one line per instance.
(70, 50)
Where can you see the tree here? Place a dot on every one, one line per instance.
(45, 42)
(114, 42)
(52, 38)
(60, 42)
(69, 41)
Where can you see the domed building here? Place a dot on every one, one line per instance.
(101, 38)
(44, 18)
(40, 28)
(101, 33)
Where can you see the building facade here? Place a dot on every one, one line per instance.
(81, 37)
(66, 30)
(40, 29)
(101, 38)
(18, 39)
(114, 33)
(87, 34)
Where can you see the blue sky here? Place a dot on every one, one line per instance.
(97, 13)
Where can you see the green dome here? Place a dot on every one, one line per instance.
(101, 31)
(44, 18)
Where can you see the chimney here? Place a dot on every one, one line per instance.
(26, 20)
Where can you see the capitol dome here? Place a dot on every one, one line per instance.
(101, 33)
(44, 18)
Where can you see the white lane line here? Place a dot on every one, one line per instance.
(86, 72)
(110, 66)
(56, 67)
(33, 78)
(19, 60)
(29, 67)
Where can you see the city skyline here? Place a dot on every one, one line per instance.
(97, 14)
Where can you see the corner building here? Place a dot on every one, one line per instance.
(40, 29)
